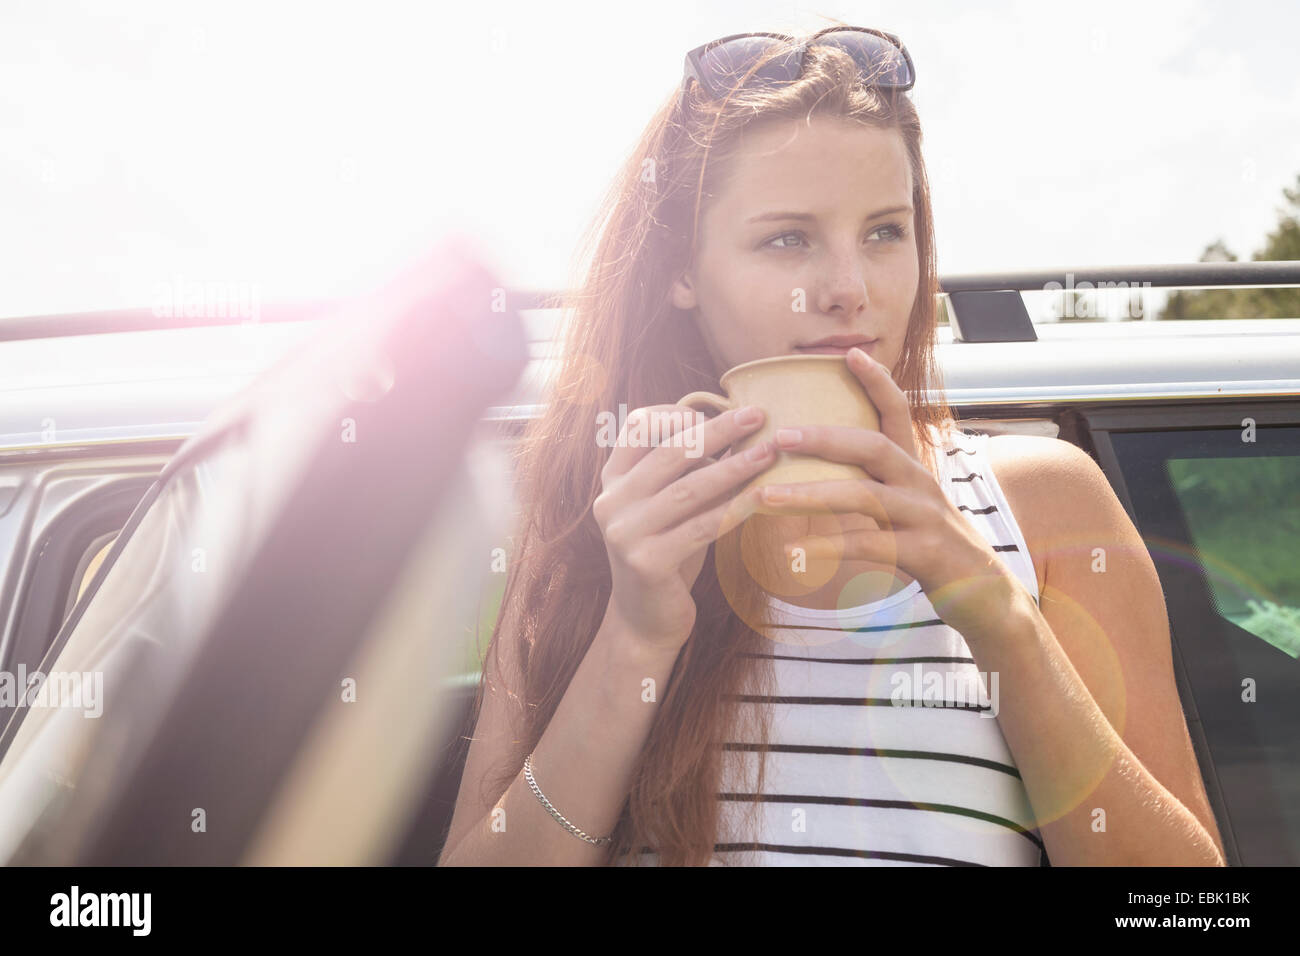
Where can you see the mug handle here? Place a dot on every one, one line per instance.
(707, 399)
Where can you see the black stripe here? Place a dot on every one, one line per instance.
(978, 511)
(866, 660)
(971, 477)
(851, 702)
(839, 851)
(954, 451)
(858, 630)
(826, 851)
(876, 752)
(1005, 547)
(887, 804)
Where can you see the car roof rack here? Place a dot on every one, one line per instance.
(147, 319)
(988, 307)
(983, 307)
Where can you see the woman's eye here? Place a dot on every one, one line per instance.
(895, 232)
(784, 235)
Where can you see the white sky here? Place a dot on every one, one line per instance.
(310, 147)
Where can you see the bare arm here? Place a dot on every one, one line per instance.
(584, 762)
(658, 514)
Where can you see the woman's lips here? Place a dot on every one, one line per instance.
(834, 349)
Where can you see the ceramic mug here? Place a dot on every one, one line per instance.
(793, 390)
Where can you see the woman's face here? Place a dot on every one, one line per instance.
(811, 236)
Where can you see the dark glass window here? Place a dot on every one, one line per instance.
(1220, 515)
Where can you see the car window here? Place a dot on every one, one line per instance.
(1243, 515)
(1219, 509)
(133, 632)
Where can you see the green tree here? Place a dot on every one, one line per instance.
(1282, 244)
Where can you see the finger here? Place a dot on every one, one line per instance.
(890, 402)
(874, 545)
(690, 536)
(671, 460)
(702, 488)
(852, 496)
(652, 420)
(873, 451)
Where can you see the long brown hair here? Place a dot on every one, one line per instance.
(625, 343)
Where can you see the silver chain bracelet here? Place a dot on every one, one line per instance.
(532, 783)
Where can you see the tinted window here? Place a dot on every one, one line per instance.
(1221, 517)
(1244, 519)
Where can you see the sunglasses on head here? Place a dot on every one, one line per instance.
(771, 59)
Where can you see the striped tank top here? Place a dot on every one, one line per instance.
(884, 747)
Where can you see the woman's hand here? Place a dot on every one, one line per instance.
(920, 530)
(661, 507)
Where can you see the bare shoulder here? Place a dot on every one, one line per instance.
(1036, 459)
(1113, 626)
(1050, 484)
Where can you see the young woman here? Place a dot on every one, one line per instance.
(670, 681)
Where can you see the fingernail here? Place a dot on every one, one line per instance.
(749, 415)
(758, 452)
(788, 437)
(773, 493)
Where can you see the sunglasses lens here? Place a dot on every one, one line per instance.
(881, 62)
(725, 66)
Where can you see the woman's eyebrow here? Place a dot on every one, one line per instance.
(809, 217)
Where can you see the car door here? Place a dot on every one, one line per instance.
(1214, 488)
(283, 609)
